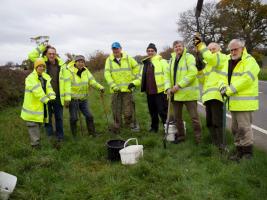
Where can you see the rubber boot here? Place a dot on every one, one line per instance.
(247, 152)
(213, 135)
(237, 155)
(73, 128)
(90, 127)
(220, 140)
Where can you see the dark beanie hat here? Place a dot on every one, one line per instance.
(152, 46)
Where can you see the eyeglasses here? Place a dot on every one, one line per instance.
(232, 50)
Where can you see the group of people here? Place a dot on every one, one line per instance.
(232, 78)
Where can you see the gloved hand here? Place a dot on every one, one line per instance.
(131, 86)
(223, 91)
(102, 90)
(116, 89)
(197, 40)
(199, 62)
(51, 101)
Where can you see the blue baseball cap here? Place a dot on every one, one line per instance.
(116, 45)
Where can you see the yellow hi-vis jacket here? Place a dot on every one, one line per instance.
(122, 75)
(64, 74)
(160, 66)
(80, 85)
(214, 71)
(243, 88)
(35, 98)
(186, 77)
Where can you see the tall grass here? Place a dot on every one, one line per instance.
(80, 170)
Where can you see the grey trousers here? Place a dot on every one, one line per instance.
(241, 128)
(34, 132)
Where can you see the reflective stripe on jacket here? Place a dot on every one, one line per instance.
(186, 77)
(243, 89)
(159, 66)
(35, 98)
(80, 85)
(122, 75)
(214, 71)
(64, 74)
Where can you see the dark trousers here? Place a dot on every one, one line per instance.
(157, 106)
(55, 108)
(214, 112)
(214, 120)
(82, 105)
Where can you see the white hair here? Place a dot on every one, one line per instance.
(240, 42)
(216, 45)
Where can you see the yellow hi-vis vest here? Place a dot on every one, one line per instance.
(243, 89)
(80, 85)
(64, 74)
(214, 71)
(35, 98)
(160, 66)
(122, 75)
(186, 77)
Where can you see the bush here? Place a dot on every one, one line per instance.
(166, 53)
(96, 61)
(11, 86)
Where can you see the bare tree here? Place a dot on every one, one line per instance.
(187, 23)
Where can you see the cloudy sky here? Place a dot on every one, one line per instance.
(83, 26)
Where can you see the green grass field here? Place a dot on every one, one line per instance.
(80, 170)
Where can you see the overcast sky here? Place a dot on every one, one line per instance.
(83, 26)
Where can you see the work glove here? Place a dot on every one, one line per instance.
(102, 90)
(197, 40)
(131, 86)
(116, 89)
(51, 101)
(199, 62)
(223, 91)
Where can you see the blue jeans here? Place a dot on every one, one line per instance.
(82, 105)
(55, 108)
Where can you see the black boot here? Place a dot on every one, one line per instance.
(213, 135)
(237, 155)
(220, 140)
(90, 127)
(247, 152)
(73, 127)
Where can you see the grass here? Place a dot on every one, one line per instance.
(263, 74)
(80, 170)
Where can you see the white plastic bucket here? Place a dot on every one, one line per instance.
(172, 130)
(7, 185)
(131, 154)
